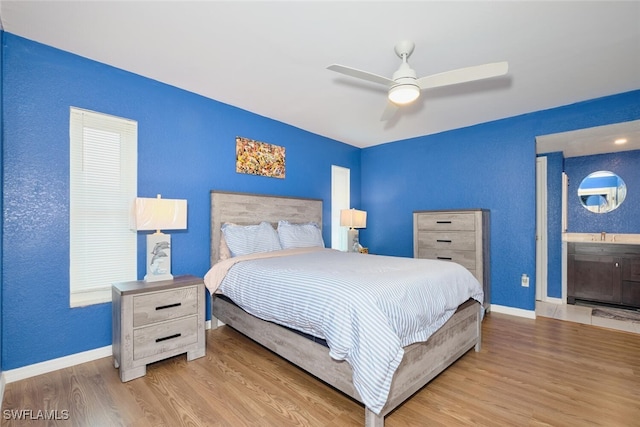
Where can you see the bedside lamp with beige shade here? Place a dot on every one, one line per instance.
(354, 219)
(159, 214)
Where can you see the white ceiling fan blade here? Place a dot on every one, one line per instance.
(364, 75)
(463, 75)
(389, 111)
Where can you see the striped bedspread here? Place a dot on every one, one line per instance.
(367, 307)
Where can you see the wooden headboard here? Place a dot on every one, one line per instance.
(247, 208)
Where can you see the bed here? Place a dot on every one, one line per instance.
(420, 362)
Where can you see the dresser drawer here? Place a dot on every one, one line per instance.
(459, 240)
(164, 337)
(159, 306)
(460, 236)
(446, 221)
(465, 258)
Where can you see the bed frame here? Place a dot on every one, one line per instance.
(421, 362)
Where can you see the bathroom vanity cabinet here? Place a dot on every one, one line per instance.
(602, 272)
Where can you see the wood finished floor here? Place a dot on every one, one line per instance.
(542, 372)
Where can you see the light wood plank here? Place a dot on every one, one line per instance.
(542, 372)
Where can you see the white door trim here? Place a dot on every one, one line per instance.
(565, 227)
(541, 229)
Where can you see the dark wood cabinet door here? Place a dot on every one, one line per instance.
(631, 282)
(631, 270)
(631, 293)
(594, 278)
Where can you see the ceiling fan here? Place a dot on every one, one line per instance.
(405, 88)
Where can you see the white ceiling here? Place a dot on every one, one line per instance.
(595, 140)
(270, 57)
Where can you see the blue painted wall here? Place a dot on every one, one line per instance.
(624, 219)
(490, 165)
(1, 187)
(186, 148)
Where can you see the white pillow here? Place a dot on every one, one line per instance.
(299, 235)
(248, 239)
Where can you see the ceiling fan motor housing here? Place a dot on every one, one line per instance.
(404, 89)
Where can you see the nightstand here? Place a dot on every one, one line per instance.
(156, 320)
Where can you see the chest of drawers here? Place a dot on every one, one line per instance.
(156, 320)
(460, 236)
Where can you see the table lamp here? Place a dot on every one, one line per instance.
(159, 214)
(354, 219)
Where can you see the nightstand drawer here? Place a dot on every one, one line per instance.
(165, 305)
(447, 221)
(458, 240)
(465, 258)
(164, 337)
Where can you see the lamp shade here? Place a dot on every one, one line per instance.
(159, 214)
(353, 218)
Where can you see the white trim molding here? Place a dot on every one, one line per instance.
(529, 314)
(29, 371)
(553, 300)
(3, 381)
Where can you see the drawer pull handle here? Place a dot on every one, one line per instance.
(443, 222)
(162, 307)
(168, 338)
(445, 258)
(443, 241)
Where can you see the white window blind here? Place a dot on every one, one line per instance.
(103, 184)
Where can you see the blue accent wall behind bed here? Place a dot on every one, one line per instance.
(186, 148)
(1, 186)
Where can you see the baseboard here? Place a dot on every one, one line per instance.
(529, 314)
(207, 325)
(554, 300)
(29, 371)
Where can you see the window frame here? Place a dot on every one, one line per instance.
(102, 185)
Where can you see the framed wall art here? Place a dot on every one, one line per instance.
(259, 158)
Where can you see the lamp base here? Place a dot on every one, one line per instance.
(158, 257)
(353, 243)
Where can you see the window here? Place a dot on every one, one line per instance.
(103, 184)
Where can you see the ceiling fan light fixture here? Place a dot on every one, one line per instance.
(404, 94)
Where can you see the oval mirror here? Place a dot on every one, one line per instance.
(602, 191)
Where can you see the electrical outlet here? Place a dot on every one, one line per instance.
(525, 281)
